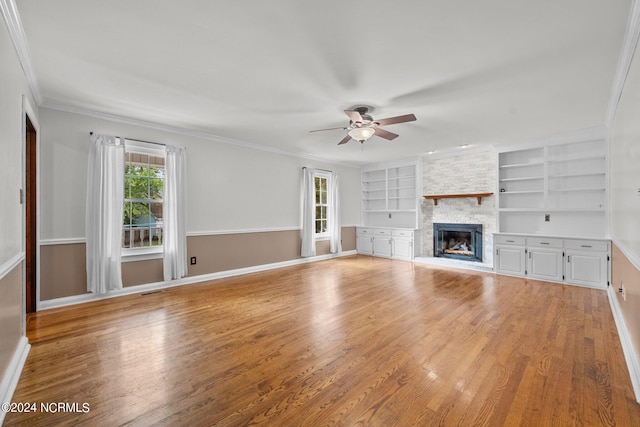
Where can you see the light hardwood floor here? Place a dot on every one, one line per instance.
(351, 341)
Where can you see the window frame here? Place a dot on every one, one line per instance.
(325, 235)
(143, 252)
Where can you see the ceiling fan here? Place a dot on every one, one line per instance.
(362, 126)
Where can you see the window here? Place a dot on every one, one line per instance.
(144, 175)
(321, 204)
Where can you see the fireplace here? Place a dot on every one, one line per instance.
(458, 241)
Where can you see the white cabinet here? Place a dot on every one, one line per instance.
(565, 260)
(556, 189)
(402, 244)
(387, 242)
(587, 263)
(510, 260)
(510, 255)
(382, 243)
(544, 259)
(364, 241)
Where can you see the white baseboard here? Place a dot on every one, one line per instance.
(77, 299)
(12, 374)
(630, 355)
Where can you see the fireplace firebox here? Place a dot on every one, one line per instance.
(458, 241)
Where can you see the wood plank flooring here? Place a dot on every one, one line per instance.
(351, 341)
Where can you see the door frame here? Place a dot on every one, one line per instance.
(28, 112)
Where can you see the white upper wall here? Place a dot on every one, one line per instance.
(230, 188)
(625, 167)
(13, 86)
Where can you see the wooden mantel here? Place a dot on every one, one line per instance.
(478, 196)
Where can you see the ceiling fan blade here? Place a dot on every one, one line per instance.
(385, 134)
(345, 140)
(354, 116)
(321, 130)
(397, 119)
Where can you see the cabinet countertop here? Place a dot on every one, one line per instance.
(553, 236)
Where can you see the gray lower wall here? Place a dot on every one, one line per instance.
(63, 267)
(10, 316)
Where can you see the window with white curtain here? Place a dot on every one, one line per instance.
(144, 182)
(322, 182)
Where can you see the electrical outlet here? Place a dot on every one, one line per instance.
(547, 217)
(193, 260)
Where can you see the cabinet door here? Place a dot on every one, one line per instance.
(364, 245)
(545, 264)
(402, 248)
(382, 246)
(588, 269)
(510, 260)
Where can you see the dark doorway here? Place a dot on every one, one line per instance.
(31, 208)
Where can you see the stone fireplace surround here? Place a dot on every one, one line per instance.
(461, 173)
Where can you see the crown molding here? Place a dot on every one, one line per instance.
(187, 132)
(12, 19)
(627, 52)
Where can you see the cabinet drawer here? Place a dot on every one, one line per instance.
(402, 233)
(364, 231)
(543, 242)
(381, 232)
(508, 240)
(587, 245)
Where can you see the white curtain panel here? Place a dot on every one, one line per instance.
(174, 214)
(335, 226)
(104, 213)
(308, 205)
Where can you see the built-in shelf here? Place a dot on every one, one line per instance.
(547, 210)
(555, 188)
(389, 195)
(521, 165)
(504, 193)
(567, 190)
(478, 196)
(524, 178)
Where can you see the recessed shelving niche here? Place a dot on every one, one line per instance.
(558, 189)
(389, 195)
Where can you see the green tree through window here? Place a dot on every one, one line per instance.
(144, 189)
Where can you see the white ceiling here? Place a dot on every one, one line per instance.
(267, 72)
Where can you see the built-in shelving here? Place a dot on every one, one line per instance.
(389, 195)
(554, 189)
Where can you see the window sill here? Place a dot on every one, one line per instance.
(142, 254)
(319, 238)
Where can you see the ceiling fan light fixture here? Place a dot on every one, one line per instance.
(362, 133)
